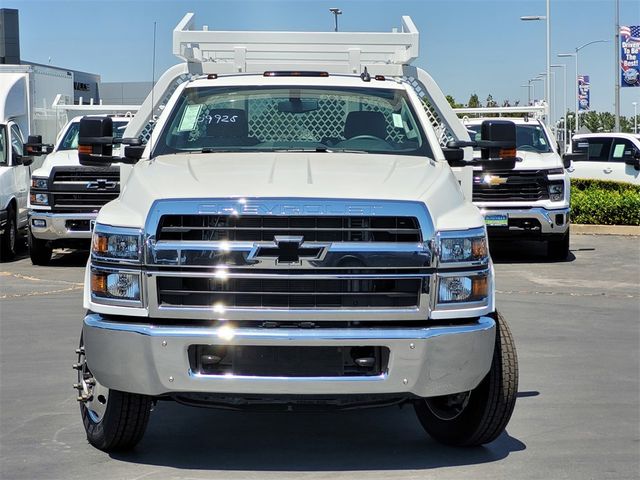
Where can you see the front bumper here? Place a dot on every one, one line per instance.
(152, 360)
(4, 217)
(530, 220)
(58, 226)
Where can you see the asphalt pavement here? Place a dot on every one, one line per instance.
(576, 325)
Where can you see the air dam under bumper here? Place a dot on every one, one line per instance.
(57, 225)
(153, 360)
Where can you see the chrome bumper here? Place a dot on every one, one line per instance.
(548, 219)
(153, 360)
(56, 225)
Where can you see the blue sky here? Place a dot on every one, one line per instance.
(468, 46)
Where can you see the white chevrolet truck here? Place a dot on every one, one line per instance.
(532, 200)
(292, 236)
(64, 197)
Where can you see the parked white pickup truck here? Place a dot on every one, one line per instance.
(607, 156)
(530, 201)
(65, 196)
(292, 236)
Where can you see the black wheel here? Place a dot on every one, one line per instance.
(481, 415)
(558, 249)
(113, 420)
(9, 240)
(39, 250)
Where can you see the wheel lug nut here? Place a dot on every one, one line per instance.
(77, 386)
(77, 366)
(90, 381)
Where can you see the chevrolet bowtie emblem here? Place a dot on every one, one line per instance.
(493, 180)
(101, 184)
(288, 250)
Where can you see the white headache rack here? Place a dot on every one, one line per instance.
(383, 53)
(536, 111)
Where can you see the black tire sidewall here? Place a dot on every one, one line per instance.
(9, 249)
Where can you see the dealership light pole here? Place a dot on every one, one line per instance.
(547, 20)
(336, 12)
(564, 96)
(575, 55)
(635, 116)
(616, 49)
(528, 86)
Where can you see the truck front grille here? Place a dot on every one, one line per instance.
(290, 293)
(83, 189)
(265, 228)
(523, 185)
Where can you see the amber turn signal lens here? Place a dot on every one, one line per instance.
(98, 283)
(100, 243)
(479, 248)
(507, 153)
(87, 149)
(479, 287)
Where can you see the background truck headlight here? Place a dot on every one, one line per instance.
(556, 191)
(39, 183)
(111, 244)
(39, 199)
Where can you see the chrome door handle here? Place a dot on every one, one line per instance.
(571, 169)
(607, 170)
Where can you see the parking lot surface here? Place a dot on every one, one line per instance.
(576, 326)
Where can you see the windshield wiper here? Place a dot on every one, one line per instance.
(319, 149)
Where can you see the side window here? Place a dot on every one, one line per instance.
(16, 140)
(622, 148)
(3, 146)
(599, 149)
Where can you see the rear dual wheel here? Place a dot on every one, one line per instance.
(479, 416)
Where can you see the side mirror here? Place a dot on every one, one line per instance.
(95, 141)
(21, 159)
(633, 160)
(133, 149)
(569, 158)
(35, 148)
(454, 156)
(498, 144)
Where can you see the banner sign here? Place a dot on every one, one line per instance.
(630, 56)
(584, 99)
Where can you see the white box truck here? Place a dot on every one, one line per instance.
(26, 95)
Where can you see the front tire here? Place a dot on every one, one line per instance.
(113, 420)
(477, 417)
(9, 240)
(39, 250)
(558, 249)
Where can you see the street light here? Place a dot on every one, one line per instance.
(336, 12)
(635, 116)
(547, 20)
(528, 86)
(576, 85)
(564, 96)
(536, 79)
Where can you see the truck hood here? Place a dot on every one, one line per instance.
(538, 161)
(284, 175)
(61, 158)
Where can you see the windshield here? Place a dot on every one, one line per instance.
(528, 137)
(70, 139)
(209, 119)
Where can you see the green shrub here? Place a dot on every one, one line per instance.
(603, 202)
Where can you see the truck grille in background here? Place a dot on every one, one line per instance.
(265, 228)
(520, 185)
(83, 189)
(289, 292)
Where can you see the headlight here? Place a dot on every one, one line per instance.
(115, 286)
(111, 244)
(39, 199)
(556, 191)
(39, 183)
(463, 288)
(464, 247)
